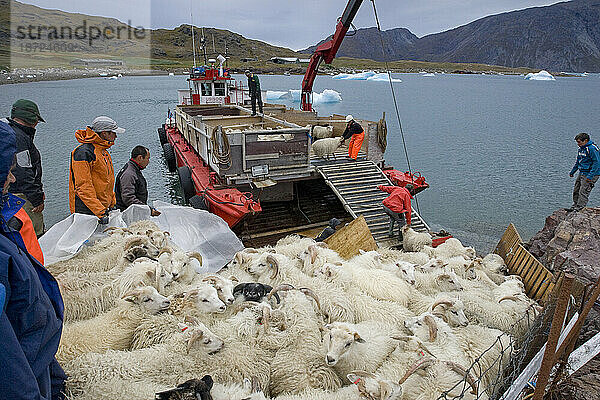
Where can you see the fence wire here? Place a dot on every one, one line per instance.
(494, 374)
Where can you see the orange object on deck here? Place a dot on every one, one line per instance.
(355, 144)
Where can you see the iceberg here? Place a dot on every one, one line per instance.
(382, 77)
(428, 74)
(326, 96)
(362, 76)
(540, 76)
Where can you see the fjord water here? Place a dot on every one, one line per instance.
(495, 149)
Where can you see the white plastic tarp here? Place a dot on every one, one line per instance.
(189, 228)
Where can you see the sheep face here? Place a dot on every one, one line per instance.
(372, 388)
(201, 338)
(328, 271)
(406, 271)
(148, 299)
(179, 264)
(471, 253)
(451, 311)
(448, 281)
(432, 265)
(139, 246)
(224, 287)
(162, 276)
(424, 326)
(193, 388)
(159, 239)
(206, 299)
(266, 263)
(338, 339)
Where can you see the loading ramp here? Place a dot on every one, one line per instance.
(355, 184)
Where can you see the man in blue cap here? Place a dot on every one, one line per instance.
(24, 117)
(31, 307)
(588, 165)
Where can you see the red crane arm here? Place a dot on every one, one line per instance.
(327, 51)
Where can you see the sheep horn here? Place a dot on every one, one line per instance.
(419, 364)
(165, 250)
(459, 369)
(266, 318)
(430, 322)
(255, 385)
(449, 303)
(440, 315)
(233, 279)
(134, 241)
(195, 336)
(250, 250)
(134, 292)
(514, 298)
(322, 244)
(403, 338)
(275, 264)
(190, 293)
(312, 252)
(149, 232)
(284, 286)
(246, 304)
(191, 320)
(196, 255)
(310, 293)
(212, 279)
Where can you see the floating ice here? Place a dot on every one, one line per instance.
(382, 77)
(326, 96)
(540, 76)
(428, 74)
(362, 76)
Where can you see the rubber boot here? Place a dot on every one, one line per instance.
(391, 229)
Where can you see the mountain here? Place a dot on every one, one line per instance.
(561, 37)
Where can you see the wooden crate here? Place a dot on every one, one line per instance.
(351, 238)
(538, 280)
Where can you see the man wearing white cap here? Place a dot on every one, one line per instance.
(91, 173)
(357, 135)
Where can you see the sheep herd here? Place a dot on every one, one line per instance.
(289, 321)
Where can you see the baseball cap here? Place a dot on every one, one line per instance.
(349, 118)
(103, 123)
(26, 110)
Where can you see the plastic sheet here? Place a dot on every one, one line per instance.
(190, 229)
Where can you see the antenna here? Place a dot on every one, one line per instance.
(193, 36)
(203, 43)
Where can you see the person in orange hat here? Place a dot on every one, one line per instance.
(91, 173)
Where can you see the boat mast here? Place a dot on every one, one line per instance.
(193, 36)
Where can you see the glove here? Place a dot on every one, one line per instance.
(103, 220)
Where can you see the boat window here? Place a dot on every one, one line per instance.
(206, 89)
(219, 88)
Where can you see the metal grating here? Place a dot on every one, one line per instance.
(355, 184)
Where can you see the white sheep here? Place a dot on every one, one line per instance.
(414, 241)
(325, 147)
(321, 132)
(113, 329)
(361, 346)
(452, 247)
(93, 300)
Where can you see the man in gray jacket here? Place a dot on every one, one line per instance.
(24, 117)
(130, 184)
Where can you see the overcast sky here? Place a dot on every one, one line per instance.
(296, 24)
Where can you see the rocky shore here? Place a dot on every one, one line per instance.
(570, 241)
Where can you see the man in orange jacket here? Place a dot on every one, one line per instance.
(397, 205)
(91, 174)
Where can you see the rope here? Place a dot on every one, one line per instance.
(221, 152)
(394, 96)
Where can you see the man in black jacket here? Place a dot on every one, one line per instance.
(24, 117)
(130, 185)
(254, 90)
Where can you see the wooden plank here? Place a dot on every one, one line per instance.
(545, 280)
(583, 354)
(351, 238)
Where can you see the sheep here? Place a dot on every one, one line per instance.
(325, 147)
(89, 302)
(321, 132)
(495, 267)
(443, 280)
(361, 346)
(202, 301)
(99, 258)
(238, 266)
(414, 241)
(113, 329)
(316, 255)
(452, 247)
(142, 226)
(449, 309)
(177, 359)
(292, 246)
(190, 389)
(277, 269)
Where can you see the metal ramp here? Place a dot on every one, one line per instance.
(355, 184)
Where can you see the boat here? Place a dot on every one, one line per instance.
(257, 172)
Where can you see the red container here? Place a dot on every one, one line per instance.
(403, 178)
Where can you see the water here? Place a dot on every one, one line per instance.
(495, 149)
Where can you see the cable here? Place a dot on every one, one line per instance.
(221, 154)
(394, 96)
